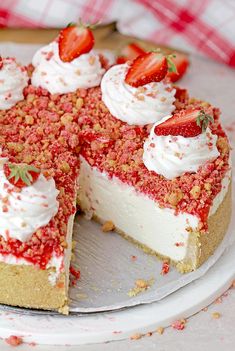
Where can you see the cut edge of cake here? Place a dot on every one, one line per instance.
(197, 244)
(26, 285)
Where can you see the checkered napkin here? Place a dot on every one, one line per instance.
(200, 26)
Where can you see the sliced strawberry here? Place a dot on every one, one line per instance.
(74, 41)
(129, 53)
(1, 62)
(21, 175)
(147, 68)
(104, 62)
(132, 50)
(181, 62)
(188, 123)
(181, 94)
(75, 272)
(121, 59)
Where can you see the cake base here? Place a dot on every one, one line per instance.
(27, 286)
(202, 245)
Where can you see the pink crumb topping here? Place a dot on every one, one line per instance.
(50, 131)
(14, 340)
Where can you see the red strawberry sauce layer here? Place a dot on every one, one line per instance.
(118, 151)
(41, 131)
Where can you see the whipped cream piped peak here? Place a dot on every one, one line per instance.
(24, 209)
(136, 106)
(59, 77)
(75, 40)
(13, 80)
(173, 155)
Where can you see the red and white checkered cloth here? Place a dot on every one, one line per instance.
(200, 26)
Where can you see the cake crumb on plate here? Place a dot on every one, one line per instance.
(14, 340)
(108, 227)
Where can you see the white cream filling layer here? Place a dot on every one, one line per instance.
(136, 214)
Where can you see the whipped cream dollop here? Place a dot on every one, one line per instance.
(171, 156)
(13, 80)
(61, 77)
(22, 213)
(143, 105)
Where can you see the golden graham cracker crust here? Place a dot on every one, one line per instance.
(27, 286)
(201, 245)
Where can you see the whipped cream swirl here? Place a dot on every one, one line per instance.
(13, 80)
(22, 213)
(143, 105)
(61, 77)
(171, 156)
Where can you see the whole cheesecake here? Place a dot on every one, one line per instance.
(124, 143)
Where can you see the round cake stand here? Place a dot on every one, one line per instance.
(102, 327)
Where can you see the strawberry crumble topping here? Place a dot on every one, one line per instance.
(49, 131)
(165, 268)
(179, 324)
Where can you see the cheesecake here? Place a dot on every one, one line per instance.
(118, 142)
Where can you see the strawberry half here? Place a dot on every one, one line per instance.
(181, 63)
(104, 61)
(147, 68)
(129, 53)
(121, 59)
(132, 50)
(21, 175)
(188, 123)
(74, 41)
(1, 62)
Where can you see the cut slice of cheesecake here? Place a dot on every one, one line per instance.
(183, 219)
(34, 270)
(156, 229)
(25, 284)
